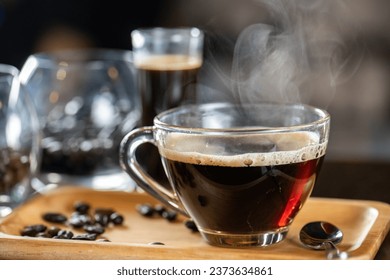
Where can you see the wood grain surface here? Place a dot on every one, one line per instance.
(364, 223)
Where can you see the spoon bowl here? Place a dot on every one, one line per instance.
(321, 235)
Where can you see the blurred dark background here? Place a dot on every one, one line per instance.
(28, 26)
(360, 105)
(357, 165)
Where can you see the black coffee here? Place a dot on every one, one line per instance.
(166, 81)
(251, 192)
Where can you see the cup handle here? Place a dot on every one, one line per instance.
(129, 163)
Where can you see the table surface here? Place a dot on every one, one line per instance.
(356, 180)
(364, 224)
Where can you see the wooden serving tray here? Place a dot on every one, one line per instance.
(365, 225)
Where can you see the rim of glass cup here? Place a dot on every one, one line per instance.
(193, 32)
(6, 69)
(323, 117)
(76, 57)
(11, 75)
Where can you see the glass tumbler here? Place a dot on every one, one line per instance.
(168, 61)
(19, 141)
(86, 101)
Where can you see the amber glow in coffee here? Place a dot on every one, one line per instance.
(242, 173)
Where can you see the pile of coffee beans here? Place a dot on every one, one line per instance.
(14, 167)
(158, 210)
(93, 223)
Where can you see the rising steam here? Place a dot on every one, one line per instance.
(333, 54)
(301, 55)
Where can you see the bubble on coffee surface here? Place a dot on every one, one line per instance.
(248, 150)
(168, 62)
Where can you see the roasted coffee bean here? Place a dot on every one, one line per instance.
(53, 231)
(87, 219)
(102, 216)
(190, 224)
(102, 240)
(169, 215)
(160, 209)
(33, 230)
(102, 219)
(97, 228)
(43, 235)
(156, 243)
(85, 236)
(81, 207)
(64, 234)
(146, 210)
(77, 220)
(104, 211)
(116, 219)
(54, 217)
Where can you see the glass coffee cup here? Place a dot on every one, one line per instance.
(242, 173)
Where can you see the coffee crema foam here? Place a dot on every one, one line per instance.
(292, 147)
(168, 62)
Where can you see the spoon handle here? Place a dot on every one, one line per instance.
(333, 253)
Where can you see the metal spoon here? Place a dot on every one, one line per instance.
(322, 235)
